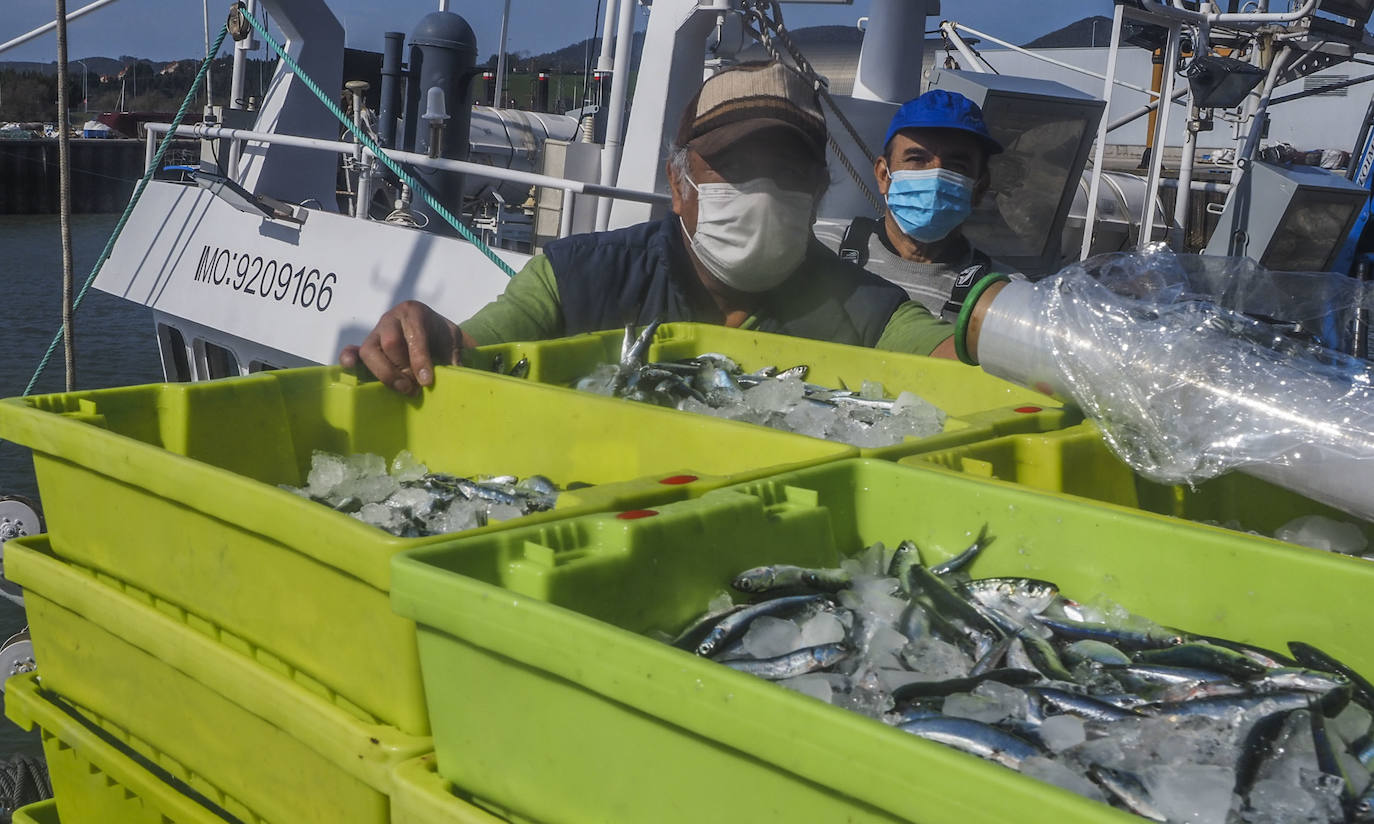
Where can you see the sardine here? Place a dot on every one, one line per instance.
(1095, 652)
(927, 689)
(1121, 637)
(1083, 706)
(1045, 659)
(736, 623)
(963, 559)
(1203, 655)
(1145, 677)
(795, 663)
(1328, 758)
(1127, 790)
(785, 576)
(903, 559)
(946, 600)
(974, 738)
(1027, 594)
(696, 631)
(1310, 656)
(993, 657)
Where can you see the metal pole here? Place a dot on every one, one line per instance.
(1132, 117)
(1179, 233)
(1100, 149)
(615, 121)
(603, 59)
(499, 101)
(202, 131)
(1044, 59)
(1171, 50)
(241, 50)
(210, 72)
(64, 161)
(47, 27)
(1359, 347)
(1252, 138)
(565, 216)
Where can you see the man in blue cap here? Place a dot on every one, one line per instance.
(932, 172)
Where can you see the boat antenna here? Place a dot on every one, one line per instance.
(587, 59)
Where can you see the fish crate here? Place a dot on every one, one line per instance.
(422, 796)
(252, 742)
(173, 488)
(40, 812)
(1076, 462)
(979, 405)
(94, 776)
(548, 629)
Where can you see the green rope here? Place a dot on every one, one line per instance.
(375, 149)
(133, 201)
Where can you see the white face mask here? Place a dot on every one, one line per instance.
(751, 236)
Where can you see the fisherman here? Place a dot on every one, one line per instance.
(746, 172)
(933, 171)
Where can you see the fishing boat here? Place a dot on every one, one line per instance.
(303, 222)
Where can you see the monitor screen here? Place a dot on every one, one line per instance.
(1042, 139)
(1312, 228)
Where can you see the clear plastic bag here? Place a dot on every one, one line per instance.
(1167, 353)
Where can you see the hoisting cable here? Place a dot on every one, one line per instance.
(770, 29)
(133, 201)
(371, 144)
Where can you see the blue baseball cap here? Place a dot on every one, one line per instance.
(939, 109)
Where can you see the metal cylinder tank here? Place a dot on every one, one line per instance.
(393, 49)
(1120, 203)
(512, 139)
(443, 56)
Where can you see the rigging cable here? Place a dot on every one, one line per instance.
(138, 193)
(767, 29)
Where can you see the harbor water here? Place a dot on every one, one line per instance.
(115, 346)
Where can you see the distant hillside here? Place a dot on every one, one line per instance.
(567, 59)
(1086, 33)
(94, 65)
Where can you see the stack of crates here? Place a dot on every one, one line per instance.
(232, 641)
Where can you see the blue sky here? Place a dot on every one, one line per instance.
(166, 29)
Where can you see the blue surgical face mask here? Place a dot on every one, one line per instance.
(929, 204)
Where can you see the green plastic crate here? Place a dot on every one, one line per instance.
(1077, 462)
(421, 796)
(570, 713)
(979, 405)
(41, 812)
(259, 746)
(94, 778)
(172, 488)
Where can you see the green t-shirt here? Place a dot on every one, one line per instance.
(529, 310)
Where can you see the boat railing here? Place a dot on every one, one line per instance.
(569, 187)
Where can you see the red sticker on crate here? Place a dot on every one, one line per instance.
(1028, 409)
(636, 514)
(677, 480)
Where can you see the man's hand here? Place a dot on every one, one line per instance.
(405, 344)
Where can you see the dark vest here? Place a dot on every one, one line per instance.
(638, 274)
